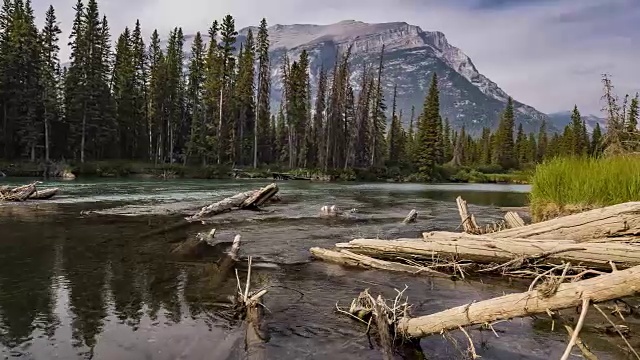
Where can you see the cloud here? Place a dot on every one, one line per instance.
(546, 53)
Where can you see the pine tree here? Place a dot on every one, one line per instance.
(578, 146)
(213, 94)
(195, 93)
(521, 146)
(411, 138)
(446, 140)
(378, 119)
(542, 142)
(156, 97)
(395, 134)
(50, 77)
(264, 88)
(632, 118)
(246, 104)
(143, 135)
(226, 134)
(504, 151)
(123, 91)
(596, 141)
(428, 132)
(316, 153)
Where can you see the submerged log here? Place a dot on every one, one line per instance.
(411, 217)
(602, 288)
(245, 200)
(348, 258)
(611, 221)
(485, 250)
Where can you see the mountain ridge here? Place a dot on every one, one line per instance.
(411, 56)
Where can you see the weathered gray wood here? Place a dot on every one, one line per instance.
(411, 217)
(469, 223)
(601, 288)
(485, 250)
(611, 221)
(513, 220)
(348, 258)
(248, 199)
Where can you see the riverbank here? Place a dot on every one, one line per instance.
(124, 169)
(565, 186)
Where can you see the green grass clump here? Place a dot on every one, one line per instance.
(566, 185)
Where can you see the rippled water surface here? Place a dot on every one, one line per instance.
(78, 281)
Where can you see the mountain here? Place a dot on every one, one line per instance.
(412, 55)
(563, 118)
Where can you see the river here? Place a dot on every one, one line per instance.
(78, 281)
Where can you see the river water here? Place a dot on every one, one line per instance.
(78, 281)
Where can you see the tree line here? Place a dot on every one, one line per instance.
(137, 102)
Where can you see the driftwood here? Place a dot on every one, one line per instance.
(601, 288)
(611, 221)
(513, 253)
(348, 258)
(246, 200)
(251, 310)
(513, 220)
(411, 217)
(20, 193)
(469, 223)
(44, 194)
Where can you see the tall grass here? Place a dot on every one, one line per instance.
(566, 185)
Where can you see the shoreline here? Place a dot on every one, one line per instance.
(123, 169)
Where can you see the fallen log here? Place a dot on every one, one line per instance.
(20, 193)
(345, 257)
(611, 221)
(513, 253)
(245, 200)
(44, 194)
(601, 288)
(411, 217)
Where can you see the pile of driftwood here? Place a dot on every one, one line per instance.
(575, 260)
(26, 192)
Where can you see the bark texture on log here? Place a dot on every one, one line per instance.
(612, 221)
(485, 250)
(348, 258)
(260, 196)
(602, 288)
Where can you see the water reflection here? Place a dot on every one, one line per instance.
(94, 282)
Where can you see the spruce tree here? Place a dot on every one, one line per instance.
(316, 153)
(542, 142)
(578, 147)
(226, 135)
(504, 154)
(246, 126)
(521, 146)
(428, 132)
(50, 77)
(263, 95)
(378, 119)
(195, 90)
(632, 116)
(395, 134)
(156, 97)
(596, 141)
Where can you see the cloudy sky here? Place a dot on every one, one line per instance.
(546, 53)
